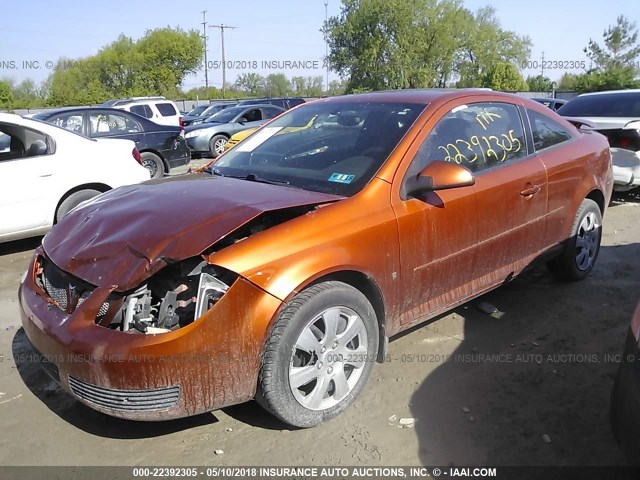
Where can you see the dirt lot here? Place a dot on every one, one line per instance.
(529, 388)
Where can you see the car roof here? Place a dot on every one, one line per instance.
(607, 92)
(81, 109)
(419, 96)
(257, 105)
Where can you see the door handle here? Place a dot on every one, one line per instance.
(530, 190)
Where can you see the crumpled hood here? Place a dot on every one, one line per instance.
(125, 235)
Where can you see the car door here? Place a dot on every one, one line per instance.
(108, 124)
(511, 192)
(551, 144)
(27, 174)
(254, 118)
(437, 232)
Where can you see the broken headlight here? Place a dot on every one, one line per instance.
(173, 298)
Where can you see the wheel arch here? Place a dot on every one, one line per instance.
(365, 285)
(597, 196)
(101, 187)
(159, 155)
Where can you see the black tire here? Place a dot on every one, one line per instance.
(73, 200)
(216, 145)
(153, 163)
(577, 261)
(275, 392)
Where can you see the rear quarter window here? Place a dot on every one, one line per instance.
(546, 131)
(166, 109)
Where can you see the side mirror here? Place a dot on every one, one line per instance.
(242, 120)
(440, 175)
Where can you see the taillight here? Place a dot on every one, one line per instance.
(629, 139)
(181, 123)
(136, 155)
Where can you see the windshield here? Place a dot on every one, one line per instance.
(603, 105)
(325, 147)
(224, 116)
(197, 110)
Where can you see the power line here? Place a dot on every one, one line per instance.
(326, 42)
(204, 37)
(224, 66)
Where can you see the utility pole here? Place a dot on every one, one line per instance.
(204, 37)
(326, 42)
(224, 65)
(542, 72)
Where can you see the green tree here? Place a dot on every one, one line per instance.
(568, 82)
(252, 83)
(614, 64)
(336, 87)
(485, 45)
(277, 85)
(390, 44)
(539, 83)
(505, 77)
(6, 95)
(156, 64)
(26, 94)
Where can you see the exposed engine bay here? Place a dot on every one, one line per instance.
(173, 298)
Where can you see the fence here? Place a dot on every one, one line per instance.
(187, 105)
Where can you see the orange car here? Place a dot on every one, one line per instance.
(280, 272)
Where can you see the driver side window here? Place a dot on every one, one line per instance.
(478, 136)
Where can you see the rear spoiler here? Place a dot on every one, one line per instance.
(579, 123)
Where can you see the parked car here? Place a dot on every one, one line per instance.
(157, 109)
(208, 112)
(615, 114)
(625, 400)
(280, 272)
(47, 171)
(210, 137)
(162, 147)
(553, 103)
(240, 136)
(283, 102)
(236, 138)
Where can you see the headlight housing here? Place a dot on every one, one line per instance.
(197, 133)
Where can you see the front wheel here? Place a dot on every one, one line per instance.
(319, 354)
(73, 200)
(216, 145)
(581, 252)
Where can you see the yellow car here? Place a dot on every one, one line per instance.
(238, 137)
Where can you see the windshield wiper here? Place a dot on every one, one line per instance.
(252, 177)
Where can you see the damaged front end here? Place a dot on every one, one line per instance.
(173, 298)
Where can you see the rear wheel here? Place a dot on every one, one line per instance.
(216, 145)
(153, 163)
(581, 252)
(319, 354)
(73, 200)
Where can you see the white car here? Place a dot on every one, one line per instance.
(615, 114)
(46, 171)
(157, 109)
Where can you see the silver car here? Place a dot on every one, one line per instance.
(209, 138)
(615, 114)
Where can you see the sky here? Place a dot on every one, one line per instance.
(35, 33)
